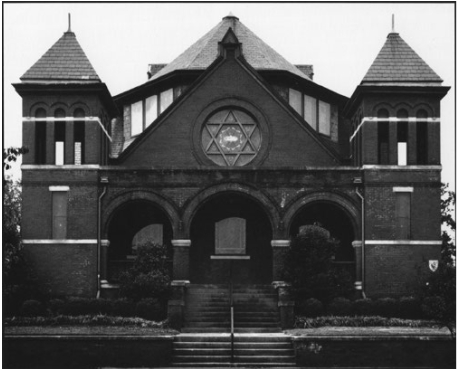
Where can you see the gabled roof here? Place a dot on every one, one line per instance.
(202, 53)
(398, 63)
(64, 61)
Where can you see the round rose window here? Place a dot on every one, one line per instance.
(231, 138)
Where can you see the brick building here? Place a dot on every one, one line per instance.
(225, 153)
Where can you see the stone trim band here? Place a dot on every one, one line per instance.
(56, 242)
(401, 242)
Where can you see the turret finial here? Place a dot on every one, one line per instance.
(69, 22)
(392, 23)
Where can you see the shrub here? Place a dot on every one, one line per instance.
(409, 307)
(339, 306)
(310, 308)
(83, 306)
(442, 283)
(149, 276)
(386, 306)
(434, 307)
(363, 307)
(32, 308)
(56, 306)
(151, 309)
(123, 307)
(309, 268)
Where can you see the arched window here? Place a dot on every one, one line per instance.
(402, 133)
(40, 137)
(402, 113)
(422, 114)
(78, 135)
(382, 113)
(59, 137)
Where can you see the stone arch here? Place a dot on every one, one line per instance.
(343, 202)
(58, 105)
(146, 195)
(254, 194)
(404, 106)
(425, 107)
(79, 105)
(381, 106)
(37, 106)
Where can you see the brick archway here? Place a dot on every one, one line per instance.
(140, 195)
(343, 202)
(252, 193)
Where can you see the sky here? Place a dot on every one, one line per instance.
(341, 40)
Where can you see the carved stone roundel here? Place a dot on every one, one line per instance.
(231, 138)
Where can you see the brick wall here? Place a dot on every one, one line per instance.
(64, 269)
(398, 269)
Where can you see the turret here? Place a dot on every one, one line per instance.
(66, 108)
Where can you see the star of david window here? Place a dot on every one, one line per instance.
(231, 138)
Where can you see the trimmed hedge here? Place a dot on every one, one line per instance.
(360, 321)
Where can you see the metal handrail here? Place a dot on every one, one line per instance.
(232, 333)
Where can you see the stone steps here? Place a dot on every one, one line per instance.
(205, 350)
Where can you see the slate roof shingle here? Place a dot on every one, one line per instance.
(204, 52)
(397, 62)
(64, 61)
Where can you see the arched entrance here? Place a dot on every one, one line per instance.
(233, 224)
(134, 223)
(334, 219)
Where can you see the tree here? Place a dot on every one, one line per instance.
(448, 201)
(309, 267)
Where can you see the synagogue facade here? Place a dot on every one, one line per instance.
(225, 153)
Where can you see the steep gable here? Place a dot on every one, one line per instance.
(173, 140)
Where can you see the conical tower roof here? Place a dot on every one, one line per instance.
(257, 53)
(65, 61)
(397, 63)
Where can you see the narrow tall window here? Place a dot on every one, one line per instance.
(79, 136)
(422, 138)
(295, 98)
(402, 143)
(137, 118)
(402, 215)
(324, 118)
(310, 111)
(59, 137)
(59, 214)
(40, 137)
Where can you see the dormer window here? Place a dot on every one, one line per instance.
(318, 114)
(145, 112)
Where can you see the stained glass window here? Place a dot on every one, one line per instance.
(231, 138)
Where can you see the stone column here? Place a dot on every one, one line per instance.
(285, 304)
(357, 245)
(176, 304)
(279, 250)
(181, 249)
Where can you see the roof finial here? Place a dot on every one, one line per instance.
(69, 22)
(392, 24)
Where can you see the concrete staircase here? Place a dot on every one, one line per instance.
(250, 349)
(208, 309)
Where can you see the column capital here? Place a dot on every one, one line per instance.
(280, 243)
(358, 285)
(181, 243)
(105, 243)
(180, 283)
(357, 243)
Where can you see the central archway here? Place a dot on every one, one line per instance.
(231, 223)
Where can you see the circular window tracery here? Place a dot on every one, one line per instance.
(231, 137)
